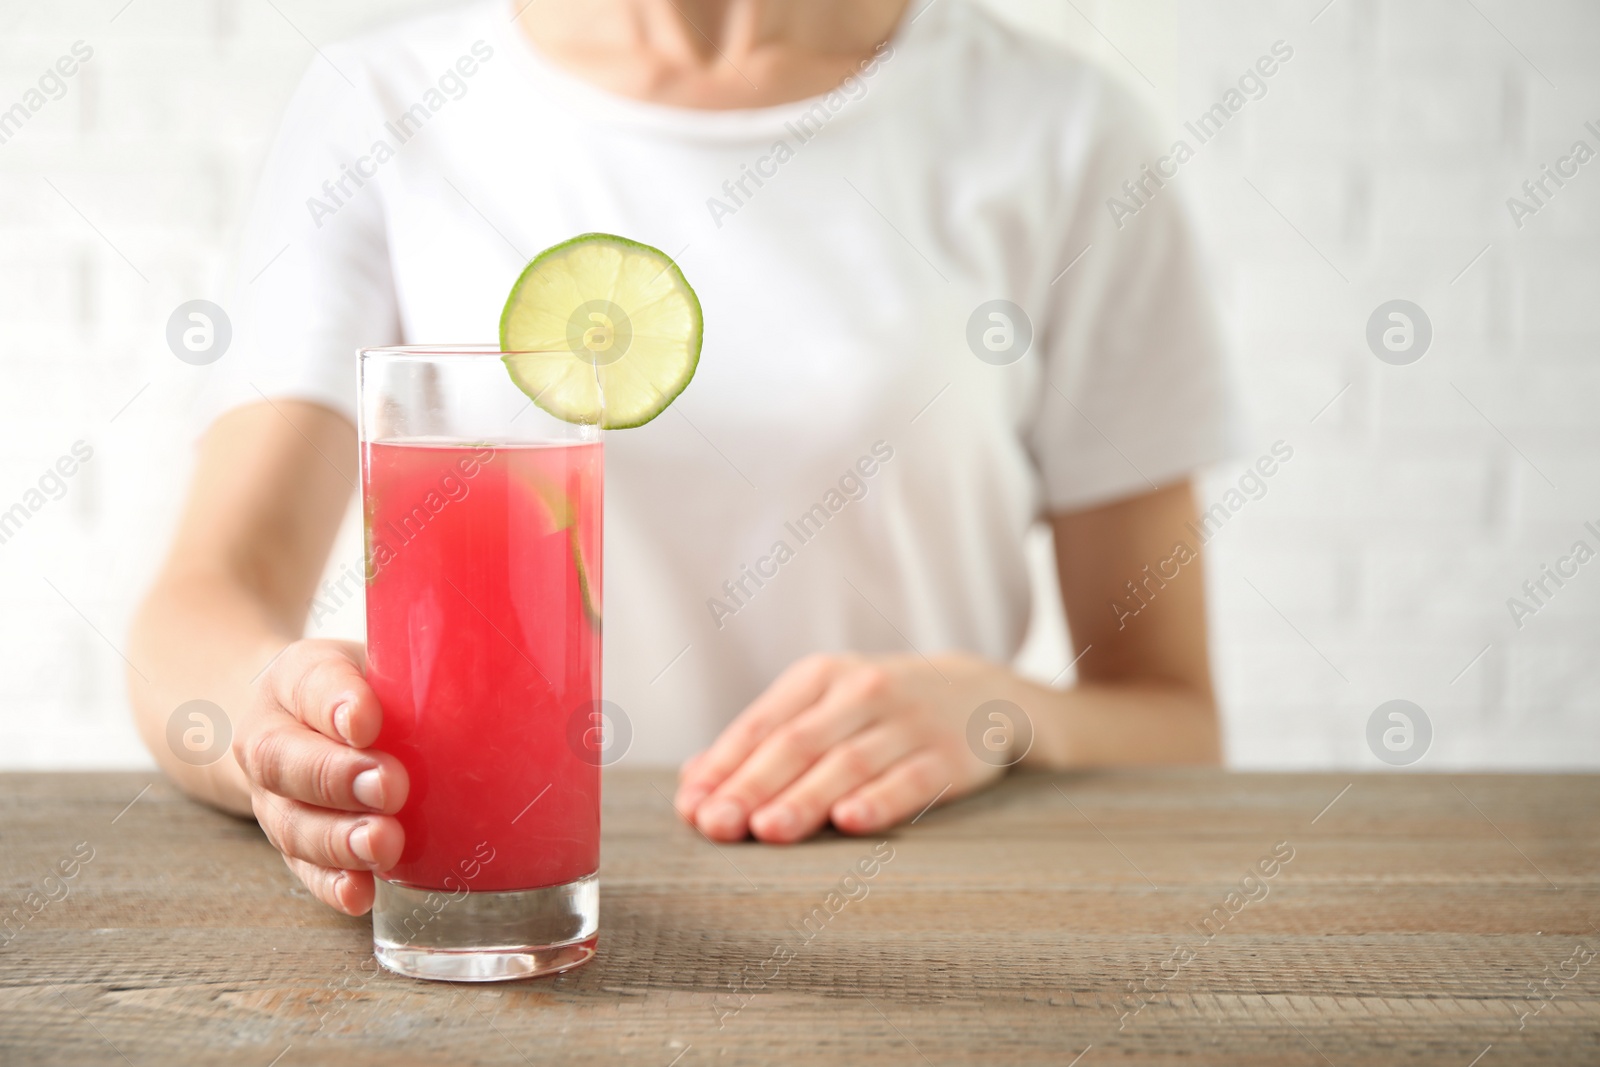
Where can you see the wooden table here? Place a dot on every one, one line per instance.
(1417, 920)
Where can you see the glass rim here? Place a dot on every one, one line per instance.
(451, 351)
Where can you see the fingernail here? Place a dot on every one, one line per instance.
(780, 820)
(368, 788)
(361, 844)
(341, 720)
(722, 817)
(854, 812)
(340, 880)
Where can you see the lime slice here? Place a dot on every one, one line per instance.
(556, 515)
(556, 510)
(586, 585)
(602, 330)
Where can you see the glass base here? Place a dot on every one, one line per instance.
(485, 937)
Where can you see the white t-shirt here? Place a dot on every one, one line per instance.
(839, 407)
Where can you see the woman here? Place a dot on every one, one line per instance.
(921, 318)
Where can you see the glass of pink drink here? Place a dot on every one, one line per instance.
(483, 543)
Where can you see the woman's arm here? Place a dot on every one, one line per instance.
(868, 742)
(258, 524)
(1136, 607)
(221, 624)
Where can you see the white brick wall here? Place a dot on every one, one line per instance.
(1389, 544)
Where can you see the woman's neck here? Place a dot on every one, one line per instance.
(713, 54)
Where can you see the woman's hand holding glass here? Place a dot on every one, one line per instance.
(323, 798)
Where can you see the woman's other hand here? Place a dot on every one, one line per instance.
(863, 742)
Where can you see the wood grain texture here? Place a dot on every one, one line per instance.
(1413, 925)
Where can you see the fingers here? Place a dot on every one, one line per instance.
(320, 683)
(291, 761)
(900, 793)
(691, 788)
(787, 752)
(801, 809)
(348, 891)
(323, 801)
(796, 689)
(316, 713)
(328, 839)
(690, 765)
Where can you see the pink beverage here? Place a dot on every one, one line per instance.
(483, 646)
(483, 518)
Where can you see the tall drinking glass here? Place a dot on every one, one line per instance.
(483, 533)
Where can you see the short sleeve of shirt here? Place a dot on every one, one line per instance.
(1137, 391)
(313, 281)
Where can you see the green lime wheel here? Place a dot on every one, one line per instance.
(602, 330)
